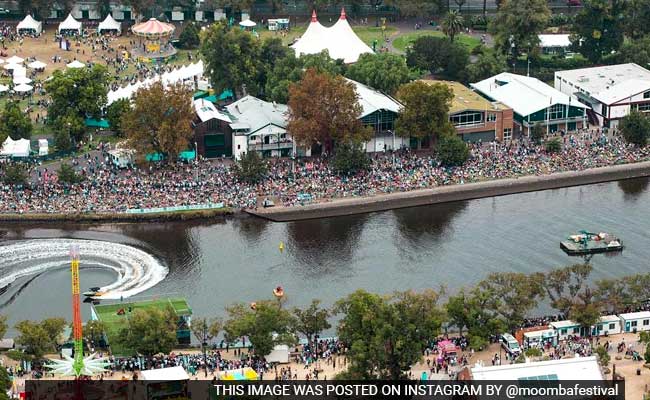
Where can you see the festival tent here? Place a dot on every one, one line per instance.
(19, 71)
(15, 148)
(247, 23)
(11, 66)
(22, 88)
(14, 60)
(43, 147)
(22, 80)
(109, 24)
(312, 41)
(165, 374)
(29, 24)
(3, 88)
(70, 24)
(37, 65)
(75, 64)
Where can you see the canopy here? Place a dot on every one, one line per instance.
(94, 123)
(165, 374)
(153, 29)
(76, 64)
(21, 80)
(43, 147)
(15, 148)
(11, 66)
(109, 24)
(19, 71)
(37, 65)
(29, 24)
(70, 24)
(247, 23)
(14, 60)
(22, 88)
(3, 88)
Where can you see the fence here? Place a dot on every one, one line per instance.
(209, 206)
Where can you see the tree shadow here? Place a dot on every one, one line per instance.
(633, 188)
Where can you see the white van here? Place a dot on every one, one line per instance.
(510, 344)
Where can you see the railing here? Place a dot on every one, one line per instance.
(270, 146)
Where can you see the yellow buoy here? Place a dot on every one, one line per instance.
(281, 247)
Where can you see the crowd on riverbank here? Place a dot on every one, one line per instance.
(109, 190)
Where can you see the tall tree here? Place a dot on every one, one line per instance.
(518, 24)
(438, 56)
(114, 113)
(385, 72)
(189, 38)
(41, 337)
(14, 122)
(637, 15)
(598, 28)
(150, 332)
(324, 109)
(204, 331)
(634, 51)
(635, 128)
(311, 321)
(571, 295)
(426, 110)
(160, 120)
(472, 310)
(265, 324)
(488, 64)
(232, 58)
(452, 24)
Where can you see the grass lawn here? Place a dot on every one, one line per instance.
(402, 41)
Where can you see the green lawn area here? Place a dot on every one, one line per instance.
(402, 41)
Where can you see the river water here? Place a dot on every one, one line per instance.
(238, 259)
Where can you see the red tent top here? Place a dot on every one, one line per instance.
(447, 346)
(313, 16)
(343, 13)
(153, 27)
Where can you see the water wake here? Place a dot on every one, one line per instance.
(136, 270)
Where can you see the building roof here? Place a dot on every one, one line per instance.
(567, 369)
(165, 374)
(556, 40)
(540, 333)
(525, 95)
(610, 83)
(339, 40)
(466, 99)
(610, 318)
(255, 114)
(564, 324)
(373, 100)
(635, 315)
(206, 111)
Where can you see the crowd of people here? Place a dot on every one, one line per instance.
(107, 189)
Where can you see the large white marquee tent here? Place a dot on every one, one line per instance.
(15, 148)
(29, 24)
(70, 24)
(109, 24)
(339, 40)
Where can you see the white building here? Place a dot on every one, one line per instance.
(567, 369)
(566, 328)
(540, 338)
(612, 91)
(554, 44)
(636, 321)
(607, 325)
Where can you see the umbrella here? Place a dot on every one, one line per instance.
(21, 80)
(15, 60)
(3, 88)
(11, 66)
(76, 64)
(23, 88)
(37, 65)
(248, 23)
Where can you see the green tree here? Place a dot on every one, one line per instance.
(14, 122)
(517, 24)
(14, 174)
(38, 338)
(150, 332)
(385, 72)
(634, 51)
(311, 321)
(250, 168)
(3, 325)
(160, 120)
(266, 324)
(426, 110)
(636, 17)
(204, 331)
(488, 64)
(386, 335)
(553, 146)
(538, 133)
(472, 310)
(571, 295)
(325, 109)
(232, 58)
(349, 159)
(452, 150)
(115, 112)
(68, 175)
(598, 28)
(603, 356)
(93, 332)
(438, 56)
(189, 38)
(635, 128)
(452, 24)
(5, 383)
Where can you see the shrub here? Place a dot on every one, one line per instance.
(15, 174)
(553, 146)
(452, 151)
(250, 168)
(68, 175)
(349, 159)
(533, 352)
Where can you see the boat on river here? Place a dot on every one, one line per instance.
(585, 242)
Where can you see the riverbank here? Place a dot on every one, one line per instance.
(451, 193)
(185, 215)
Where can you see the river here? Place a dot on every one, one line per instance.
(233, 259)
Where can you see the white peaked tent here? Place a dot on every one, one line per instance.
(15, 148)
(339, 40)
(14, 60)
(75, 64)
(109, 24)
(247, 23)
(37, 65)
(70, 24)
(29, 24)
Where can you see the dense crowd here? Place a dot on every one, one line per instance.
(107, 189)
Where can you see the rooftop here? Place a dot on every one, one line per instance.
(578, 368)
(564, 324)
(609, 83)
(636, 315)
(165, 374)
(206, 111)
(525, 95)
(255, 114)
(466, 99)
(372, 100)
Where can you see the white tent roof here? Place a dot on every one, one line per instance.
(23, 88)
(3, 88)
(525, 95)
(109, 24)
(21, 80)
(12, 66)
(16, 148)
(339, 40)
(19, 71)
(70, 24)
(247, 23)
(29, 23)
(372, 100)
(37, 64)
(206, 111)
(567, 369)
(558, 40)
(76, 64)
(14, 60)
(165, 374)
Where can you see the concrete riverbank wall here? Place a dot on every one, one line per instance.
(444, 194)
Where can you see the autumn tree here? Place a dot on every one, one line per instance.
(425, 111)
(324, 109)
(385, 72)
(160, 120)
(150, 332)
(518, 24)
